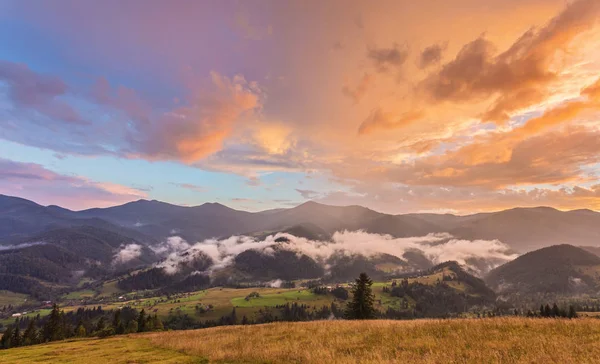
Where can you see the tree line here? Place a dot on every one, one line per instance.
(360, 306)
(84, 322)
(554, 312)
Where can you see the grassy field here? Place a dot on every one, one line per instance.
(220, 300)
(15, 299)
(42, 312)
(128, 350)
(77, 295)
(498, 340)
(223, 300)
(281, 298)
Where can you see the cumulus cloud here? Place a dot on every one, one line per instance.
(387, 59)
(521, 74)
(171, 245)
(198, 129)
(275, 284)
(431, 55)
(437, 248)
(127, 253)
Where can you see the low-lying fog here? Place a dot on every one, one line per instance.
(477, 255)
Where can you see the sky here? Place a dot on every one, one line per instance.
(401, 106)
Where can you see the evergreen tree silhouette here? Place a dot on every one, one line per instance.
(141, 321)
(52, 330)
(555, 311)
(6, 340)
(116, 320)
(30, 336)
(572, 312)
(101, 325)
(16, 338)
(361, 306)
(157, 323)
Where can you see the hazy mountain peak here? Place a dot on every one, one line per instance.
(584, 211)
(8, 201)
(554, 269)
(309, 204)
(214, 206)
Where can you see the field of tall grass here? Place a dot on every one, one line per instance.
(493, 340)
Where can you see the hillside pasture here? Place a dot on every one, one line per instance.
(14, 299)
(494, 340)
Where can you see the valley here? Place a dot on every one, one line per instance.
(263, 303)
(289, 265)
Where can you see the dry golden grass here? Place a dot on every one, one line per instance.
(500, 340)
(130, 349)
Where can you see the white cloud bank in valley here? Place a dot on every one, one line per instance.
(20, 246)
(127, 253)
(438, 248)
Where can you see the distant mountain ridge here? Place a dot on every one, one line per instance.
(560, 269)
(46, 250)
(523, 229)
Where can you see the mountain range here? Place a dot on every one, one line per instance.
(523, 229)
(50, 248)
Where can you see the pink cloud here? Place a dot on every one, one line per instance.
(124, 123)
(33, 181)
(199, 128)
(191, 186)
(41, 93)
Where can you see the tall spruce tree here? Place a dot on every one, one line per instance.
(141, 321)
(17, 338)
(116, 320)
(572, 312)
(361, 306)
(6, 340)
(53, 328)
(30, 336)
(157, 323)
(101, 324)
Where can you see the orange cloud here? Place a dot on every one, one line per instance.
(384, 120)
(520, 74)
(199, 129)
(361, 89)
(431, 55)
(385, 59)
(551, 158)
